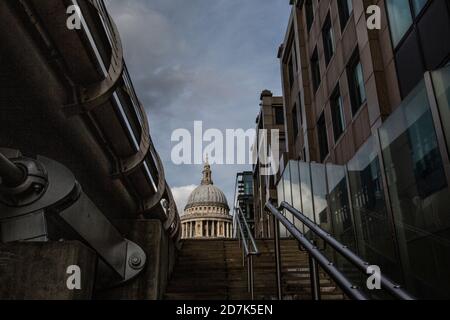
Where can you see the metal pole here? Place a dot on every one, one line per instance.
(276, 235)
(248, 274)
(252, 280)
(11, 174)
(315, 278)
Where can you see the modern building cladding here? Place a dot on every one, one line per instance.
(243, 198)
(369, 161)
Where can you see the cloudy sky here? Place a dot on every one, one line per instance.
(201, 60)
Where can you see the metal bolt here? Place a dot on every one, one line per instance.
(37, 188)
(135, 261)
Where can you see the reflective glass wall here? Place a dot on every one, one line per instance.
(419, 194)
(391, 203)
(441, 84)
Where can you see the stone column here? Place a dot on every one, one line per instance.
(203, 229)
(210, 228)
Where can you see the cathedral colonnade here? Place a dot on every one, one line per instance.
(207, 228)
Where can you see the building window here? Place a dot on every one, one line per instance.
(279, 116)
(309, 10)
(400, 19)
(295, 121)
(323, 138)
(328, 40)
(345, 8)
(337, 113)
(356, 83)
(315, 70)
(418, 6)
(291, 72)
(401, 14)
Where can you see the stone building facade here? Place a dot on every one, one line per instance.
(207, 214)
(270, 117)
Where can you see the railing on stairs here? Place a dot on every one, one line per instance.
(317, 257)
(249, 247)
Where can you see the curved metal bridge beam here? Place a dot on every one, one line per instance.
(99, 93)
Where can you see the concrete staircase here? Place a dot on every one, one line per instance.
(213, 270)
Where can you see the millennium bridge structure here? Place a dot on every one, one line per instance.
(82, 183)
(85, 209)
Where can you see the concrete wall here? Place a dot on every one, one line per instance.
(38, 271)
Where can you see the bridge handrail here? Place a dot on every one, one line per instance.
(392, 288)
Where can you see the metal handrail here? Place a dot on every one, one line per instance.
(352, 291)
(254, 250)
(246, 252)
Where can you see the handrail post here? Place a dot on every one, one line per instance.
(248, 274)
(315, 278)
(276, 235)
(252, 275)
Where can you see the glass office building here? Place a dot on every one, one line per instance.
(390, 203)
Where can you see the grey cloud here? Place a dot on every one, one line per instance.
(201, 60)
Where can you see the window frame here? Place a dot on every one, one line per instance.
(415, 16)
(322, 153)
(356, 100)
(344, 18)
(336, 101)
(315, 70)
(328, 39)
(309, 14)
(277, 111)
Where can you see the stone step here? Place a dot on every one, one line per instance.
(213, 270)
